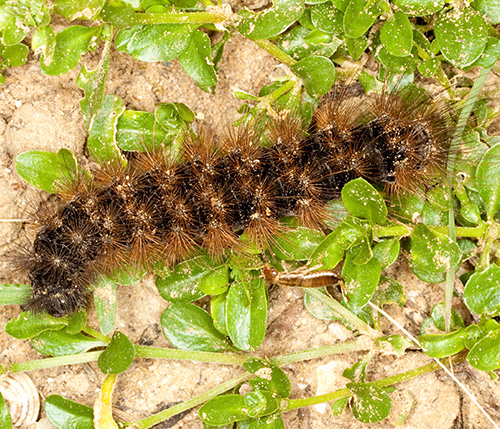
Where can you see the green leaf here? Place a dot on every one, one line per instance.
(197, 62)
(218, 312)
(5, 419)
(188, 327)
(105, 303)
(273, 421)
(13, 31)
(397, 35)
(389, 291)
(135, 126)
(29, 325)
(71, 9)
(71, 44)
(359, 17)
(322, 311)
(45, 169)
(419, 7)
(386, 251)
(269, 22)
(490, 54)
(482, 294)
(443, 345)
(331, 250)
(360, 280)
(60, 343)
(44, 42)
(297, 244)
(461, 35)
(357, 372)
(64, 414)
(340, 4)
(369, 82)
(173, 116)
(340, 405)
(428, 67)
(224, 409)
(487, 174)
(269, 377)
(370, 404)
(300, 42)
(490, 8)
(14, 294)
(246, 313)
(215, 282)
(438, 318)
(395, 64)
(155, 42)
(182, 284)
(261, 403)
(120, 14)
(485, 355)
(327, 18)
(362, 200)
(92, 82)
(394, 344)
(102, 134)
(356, 47)
(317, 73)
(433, 252)
(16, 55)
(118, 355)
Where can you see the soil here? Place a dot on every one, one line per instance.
(42, 112)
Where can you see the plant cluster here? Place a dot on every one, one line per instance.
(458, 220)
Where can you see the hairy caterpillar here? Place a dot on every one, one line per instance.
(163, 207)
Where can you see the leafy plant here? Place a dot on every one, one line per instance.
(313, 39)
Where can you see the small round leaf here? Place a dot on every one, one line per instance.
(118, 356)
(461, 35)
(482, 294)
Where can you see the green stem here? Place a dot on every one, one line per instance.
(405, 230)
(491, 236)
(275, 52)
(53, 362)
(200, 399)
(344, 313)
(158, 353)
(96, 334)
(178, 18)
(357, 345)
(268, 100)
(344, 393)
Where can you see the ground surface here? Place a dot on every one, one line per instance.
(42, 112)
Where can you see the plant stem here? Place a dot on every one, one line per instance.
(177, 409)
(268, 100)
(178, 18)
(344, 313)
(96, 334)
(344, 393)
(53, 362)
(211, 357)
(103, 415)
(405, 230)
(275, 52)
(357, 345)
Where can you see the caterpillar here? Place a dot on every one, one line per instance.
(165, 207)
